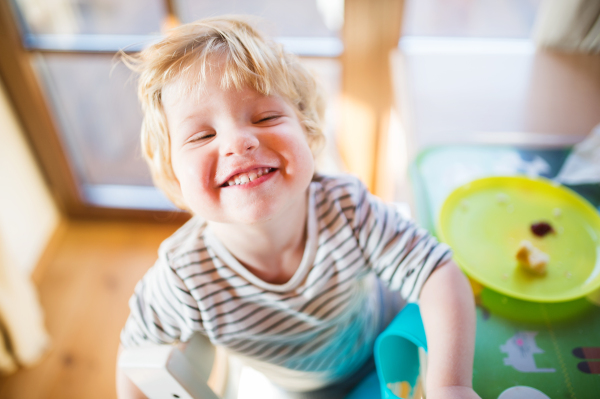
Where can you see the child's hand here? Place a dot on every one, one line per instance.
(452, 392)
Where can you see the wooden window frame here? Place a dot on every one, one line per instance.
(24, 90)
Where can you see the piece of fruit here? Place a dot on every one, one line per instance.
(531, 258)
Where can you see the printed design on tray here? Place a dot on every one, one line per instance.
(513, 163)
(520, 349)
(459, 172)
(592, 357)
(523, 392)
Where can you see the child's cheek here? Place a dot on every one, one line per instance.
(300, 160)
(189, 175)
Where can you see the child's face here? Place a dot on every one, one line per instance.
(220, 137)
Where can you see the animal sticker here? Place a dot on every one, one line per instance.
(520, 349)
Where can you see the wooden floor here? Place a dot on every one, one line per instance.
(85, 280)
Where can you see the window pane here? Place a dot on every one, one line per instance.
(470, 18)
(99, 116)
(309, 18)
(120, 17)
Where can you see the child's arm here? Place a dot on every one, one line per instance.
(448, 312)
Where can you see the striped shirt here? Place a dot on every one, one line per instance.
(319, 326)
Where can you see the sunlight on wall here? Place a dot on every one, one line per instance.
(359, 122)
(391, 179)
(28, 215)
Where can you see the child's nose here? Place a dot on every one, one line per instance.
(239, 142)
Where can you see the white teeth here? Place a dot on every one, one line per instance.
(244, 178)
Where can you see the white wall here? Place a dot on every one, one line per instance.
(461, 90)
(488, 91)
(28, 215)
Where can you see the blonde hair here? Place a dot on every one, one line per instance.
(248, 59)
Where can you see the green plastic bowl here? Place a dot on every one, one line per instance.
(485, 221)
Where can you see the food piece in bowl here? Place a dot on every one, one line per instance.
(557, 212)
(540, 229)
(502, 198)
(531, 258)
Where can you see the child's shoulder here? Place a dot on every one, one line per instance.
(188, 239)
(339, 182)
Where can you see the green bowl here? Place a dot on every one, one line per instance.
(485, 221)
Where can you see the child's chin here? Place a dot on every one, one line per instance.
(250, 217)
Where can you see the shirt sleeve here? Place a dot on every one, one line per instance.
(162, 311)
(402, 254)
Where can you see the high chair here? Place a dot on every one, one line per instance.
(196, 370)
(172, 371)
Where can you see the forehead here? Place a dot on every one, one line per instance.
(205, 77)
(206, 84)
(208, 73)
(192, 80)
(182, 94)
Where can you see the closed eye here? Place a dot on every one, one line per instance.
(201, 137)
(269, 119)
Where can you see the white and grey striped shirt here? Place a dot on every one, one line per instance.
(324, 320)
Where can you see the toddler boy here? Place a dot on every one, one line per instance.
(294, 272)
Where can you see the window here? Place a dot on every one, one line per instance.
(69, 46)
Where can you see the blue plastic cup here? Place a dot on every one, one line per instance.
(397, 350)
(396, 355)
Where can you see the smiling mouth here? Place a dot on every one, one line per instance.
(247, 177)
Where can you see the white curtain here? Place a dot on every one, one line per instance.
(23, 337)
